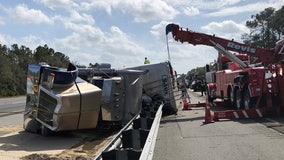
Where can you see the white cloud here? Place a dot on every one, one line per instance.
(146, 10)
(226, 29)
(29, 41)
(105, 5)
(219, 8)
(58, 3)
(88, 44)
(116, 31)
(82, 35)
(185, 56)
(77, 17)
(158, 30)
(252, 7)
(21, 13)
(203, 4)
(117, 40)
(3, 39)
(191, 11)
(141, 10)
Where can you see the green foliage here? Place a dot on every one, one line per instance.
(46, 54)
(266, 28)
(6, 92)
(14, 62)
(277, 23)
(196, 73)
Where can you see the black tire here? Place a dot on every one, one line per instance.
(44, 131)
(232, 96)
(239, 99)
(209, 96)
(248, 101)
(31, 125)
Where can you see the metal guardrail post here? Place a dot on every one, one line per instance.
(116, 140)
(148, 149)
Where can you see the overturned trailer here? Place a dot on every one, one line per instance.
(59, 100)
(121, 91)
(159, 82)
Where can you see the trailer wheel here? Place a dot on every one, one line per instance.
(238, 102)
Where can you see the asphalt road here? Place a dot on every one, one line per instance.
(184, 136)
(11, 114)
(10, 106)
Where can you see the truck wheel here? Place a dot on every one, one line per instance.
(31, 125)
(248, 101)
(44, 131)
(232, 96)
(238, 102)
(210, 98)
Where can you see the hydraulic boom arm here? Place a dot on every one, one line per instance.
(266, 56)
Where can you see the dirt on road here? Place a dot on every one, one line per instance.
(76, 145)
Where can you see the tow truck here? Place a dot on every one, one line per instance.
(244, 85)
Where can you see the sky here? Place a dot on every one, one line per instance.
(124, 32)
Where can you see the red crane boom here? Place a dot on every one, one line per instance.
(264, 55)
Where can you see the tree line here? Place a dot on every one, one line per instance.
(266, 29)
(14, 63)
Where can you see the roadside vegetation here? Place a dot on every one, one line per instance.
(14, 62)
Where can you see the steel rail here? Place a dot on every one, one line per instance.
(148, 149)
(115, 141)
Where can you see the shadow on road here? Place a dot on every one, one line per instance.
(24, 141)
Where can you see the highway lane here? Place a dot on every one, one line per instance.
(184, 136)
(11, 117)
(13, 105)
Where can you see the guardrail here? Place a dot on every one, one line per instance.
(148, 150)
(136, 140)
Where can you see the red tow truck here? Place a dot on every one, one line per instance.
(246, 86)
